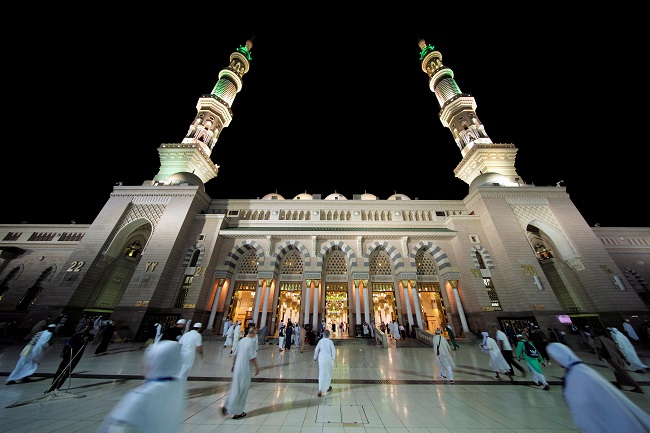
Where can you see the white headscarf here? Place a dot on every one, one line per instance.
(158, 405)
(595, 403)
(628, 349)
(485, 336)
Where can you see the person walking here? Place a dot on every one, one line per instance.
(159, 330)
(262, 334)
(236, 336)
(242, 368)
(31, 356)
(158, 405)
(174, 333)
(629, 330)
(108, 332)
(71, 355)
(628, 350)
(596, 405)
(302, 335)
(395, 331)
(324, 354)
(288, 334)
(443, 356)
(226, 328)
(607, 350)
(191, 345)
(497, 361)
(506, 350)
(281, 337)
(452, 337)
(528, 351)
(540, 340)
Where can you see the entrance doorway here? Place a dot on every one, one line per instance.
(434, 314)
(243, 301)
(289, 303)
(383, 303)
(336, 308)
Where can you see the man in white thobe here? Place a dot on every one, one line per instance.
(158, 405)
(324, 354)
(629, 330)
(158, 333)
(242, 368)
(191, 344)
(395, 331)
(226, 328)
(31, 355)
(236, 335)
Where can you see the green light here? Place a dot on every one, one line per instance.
(244, 51)
(426, 50)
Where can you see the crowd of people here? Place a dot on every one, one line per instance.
(174, 350)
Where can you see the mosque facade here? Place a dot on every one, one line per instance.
(508, 253)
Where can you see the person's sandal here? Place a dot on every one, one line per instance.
(241, 415)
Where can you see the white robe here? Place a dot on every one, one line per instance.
(395, 331)
(28, 364)
(596, 405)
(229, 335)
(628, 350)
(226, 328)
(627, 327)
(189, 342)
(324, 353)
(158, 333)
(156, 406)
(242, 375)
(236, 335)
(497, 361)
(444, 360)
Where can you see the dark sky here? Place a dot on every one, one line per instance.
(324, 108)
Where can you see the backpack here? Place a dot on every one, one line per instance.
(530, 350)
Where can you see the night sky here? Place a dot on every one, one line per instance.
(324, 108)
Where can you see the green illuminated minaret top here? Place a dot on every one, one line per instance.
(214, 113)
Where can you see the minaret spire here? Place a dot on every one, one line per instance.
(458, 113)
(214, 113)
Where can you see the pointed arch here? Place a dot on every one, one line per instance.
(283, 248)
(441, 258)
(239, 250)
(336, 245)
(391, 250)
(561, 243)
(486, 257)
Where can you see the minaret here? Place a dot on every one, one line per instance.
(458, 113)
(214, 113)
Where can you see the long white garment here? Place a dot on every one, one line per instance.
(226, 327)
(595, 404)
(324, 353)
(444, 360)
(497, 361)
(156, 406)
(158, 333)
(236, 335)
(28, 364)
(627, 327)
(395, 331)
(189, 342)
(242, 374)
(229, 335)
(628, 349)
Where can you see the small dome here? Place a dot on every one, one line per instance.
(335, 196)
(188, 178)
(304, 196)
(491, 179)
(273, 196)
(368, 196)
(398, 197)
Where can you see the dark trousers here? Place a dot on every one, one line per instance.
(507, 354)
(68, 363)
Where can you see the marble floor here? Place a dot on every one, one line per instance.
(375, 390)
